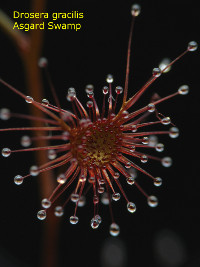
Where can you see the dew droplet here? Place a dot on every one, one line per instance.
(119, 90)
(25, 141)
(114, 229)
(145, 140)
(116, 196)
(166, 120)
(51, 154)
(159, 147)
(130, 180)
(82, 178)
(128, 165)
(157, 181)
(134, 128)
(71, 94)
(58, 212)
(152, 201)
(183, 90)
(41, 215)
(46, 203)
(29, 99)
(45, 102)
(61, 179)
(95, 199)
(4, 114)
(89, 88)
(42, 62)
(34, 170)
(105, 90)
(6, 152)
(135, 10)
(74, 197)
(174, 132)
(18, 179)
(82, 201)
(144, 159)
(73, 219)
(116, 175)
(89, 104)
(109, 78)
(151, 107)
(131, 207)
(153, 140)
(166, 161)
(101, 190)
(105, 198)
(156, 72)
(164, 63)
(94, 223)
(192, 46)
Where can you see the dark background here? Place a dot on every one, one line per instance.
(165, 236)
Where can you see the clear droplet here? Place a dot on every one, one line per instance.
(159, 147)
(105, 198)
(133, 172)
(29, 99)
(18, 179)
(134, 128)
(71, 94)
(152, 201)
(183, 90)
(153, 140)
(25, 141)
(61, 179)
(46, 203)
(101, 190)
(156, 72)
(98, 218)
(157, 181)
(34, 170)
(163, 64)
(151, 107)
(95, 199)
(89, 104)
(58, 212)
(145, 140)
(135, 10)
(41, 215)
(105, 90)
(4, 114)
(42, 62)
(82, 201)
(174, 132)
(116, 175)
(166, 120)
(114, 229)
(166, 161)
(51, 154)
(109, 78)
(128, 165)
(130, 180)
(144, 159)
(89, 88)
(131, 207)
(6, 152)
(73, 219)
(192, 46)
(74, 197)
(119, 90)
(116, 196)
(45, 102)
(94, 223)
(82, 178)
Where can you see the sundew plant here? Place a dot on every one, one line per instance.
(98, 145)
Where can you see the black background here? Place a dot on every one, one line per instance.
(163, 29)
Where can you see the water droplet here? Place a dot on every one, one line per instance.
(105, 90)
(94, 223)
(130, 180)
(98, 218)
(166, 120)
(74, 197)
(29, 99)
(153, 140)
(114, 229)
(101, 190)
(109, 78)
(45, 102)
(145, 140)
(152, 201)
(41, 215)
(164, 63)
(133, 172)
(128, 165)
(73, 219)
(174, 132)
(89, 88)
(18, 179)
(71, 94)
(166, 162)
(65, 136)
(157, 181)
(95, 199)
(25, 141)
(144, 159)
(105, 198)
(82, 201)
(159, 147)
(34, 170)
(118, 90)
(5, 114)
(151, 107)
(46, 203)
(51, 154)
(116, 196)
(89, 104)
(134, 128)
(82, 178)
(192, 46)
(135, 10)
(61, 179)
(58, 211)
(183, 90)
(116, 175)
(131, 207)
(42, 62)
(6, 152)
(156, 72)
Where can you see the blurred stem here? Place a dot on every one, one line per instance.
(30, 47)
